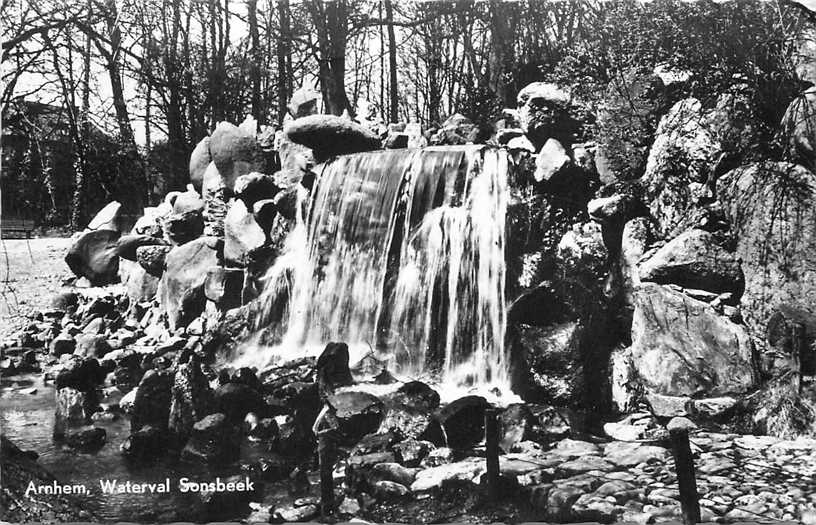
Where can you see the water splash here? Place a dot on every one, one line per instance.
(402, 255)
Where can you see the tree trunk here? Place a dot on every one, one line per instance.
(78, 200)
(255, 52)
(393, 93)
(330, 21)
(283, 52)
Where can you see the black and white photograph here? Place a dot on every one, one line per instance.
(408, 261)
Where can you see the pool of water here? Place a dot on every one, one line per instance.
(27, 419)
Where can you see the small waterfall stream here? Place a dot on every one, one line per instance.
(402, 253)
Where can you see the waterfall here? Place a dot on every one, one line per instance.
(402, 253)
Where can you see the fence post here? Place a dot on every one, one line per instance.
(326, 456)
(492, 453)
(684, 466)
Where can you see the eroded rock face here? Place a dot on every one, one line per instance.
(543, 113)
(770, 207)
(695, 260)
(682, 347)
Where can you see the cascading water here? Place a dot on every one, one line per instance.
(402, 252)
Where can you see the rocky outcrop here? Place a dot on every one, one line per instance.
(544, 112)
(682, 347)
(770, 207)
(199, 160)
(234, 151)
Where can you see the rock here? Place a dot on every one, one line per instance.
(515, 426)
(459, 424)
(243, 237)
(64, 343)
(126, 246)
(190, 399)
(236, 400)
(437, 457)
(411, 452)
(582, 249)
(108, 218)
(543, 112)
(225, 287)
(150, 223)
(265, 212)
(253, 187)
(467, 470)
(152, 258)
(521, 143)
(85, 438)
(146, 443)
(303, 102)
(292, 514)
(574, 448)
(396, 141)
(216, 194)
(90, 345)
(623, 379)
(667, 406)
(187, 203)
(80, 374)
(635, 240)
(234, 152)
(681, 347)
(141, 286)
(127, 401)
(456, 130)
(559, 502)
(798, 128)
(584, 464)
(357, 413)
(330, 135)
(681, 139)
(65, 301)
(181, 228)
(213, 440)
(199, 160)
(551, 161)
(774, 253)
(73, 409)
(617, 208)
(389, 490)
(151, 405)
(182, 285)
(393, 472)
(695, 260)
(333, 369)
(624, 454)
(94, 255)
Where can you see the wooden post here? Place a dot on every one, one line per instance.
(684, 465)
(492, 452)
(326, 455)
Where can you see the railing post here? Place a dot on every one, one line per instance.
(326, 455)
(684, 466)
(491, 427)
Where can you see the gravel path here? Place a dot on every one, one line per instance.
(31, 271)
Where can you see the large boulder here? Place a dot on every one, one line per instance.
(199, 160)
(151, 405)
(544, 112)
(234, 151)
(682, 347)
(330, 135)
(410, 408)
(213, 440)
(243, 237)
(357, 413)
(694, 259)
(459, 424)
(771, 209)
(94, 255)
(681, 140)
(182, 284)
